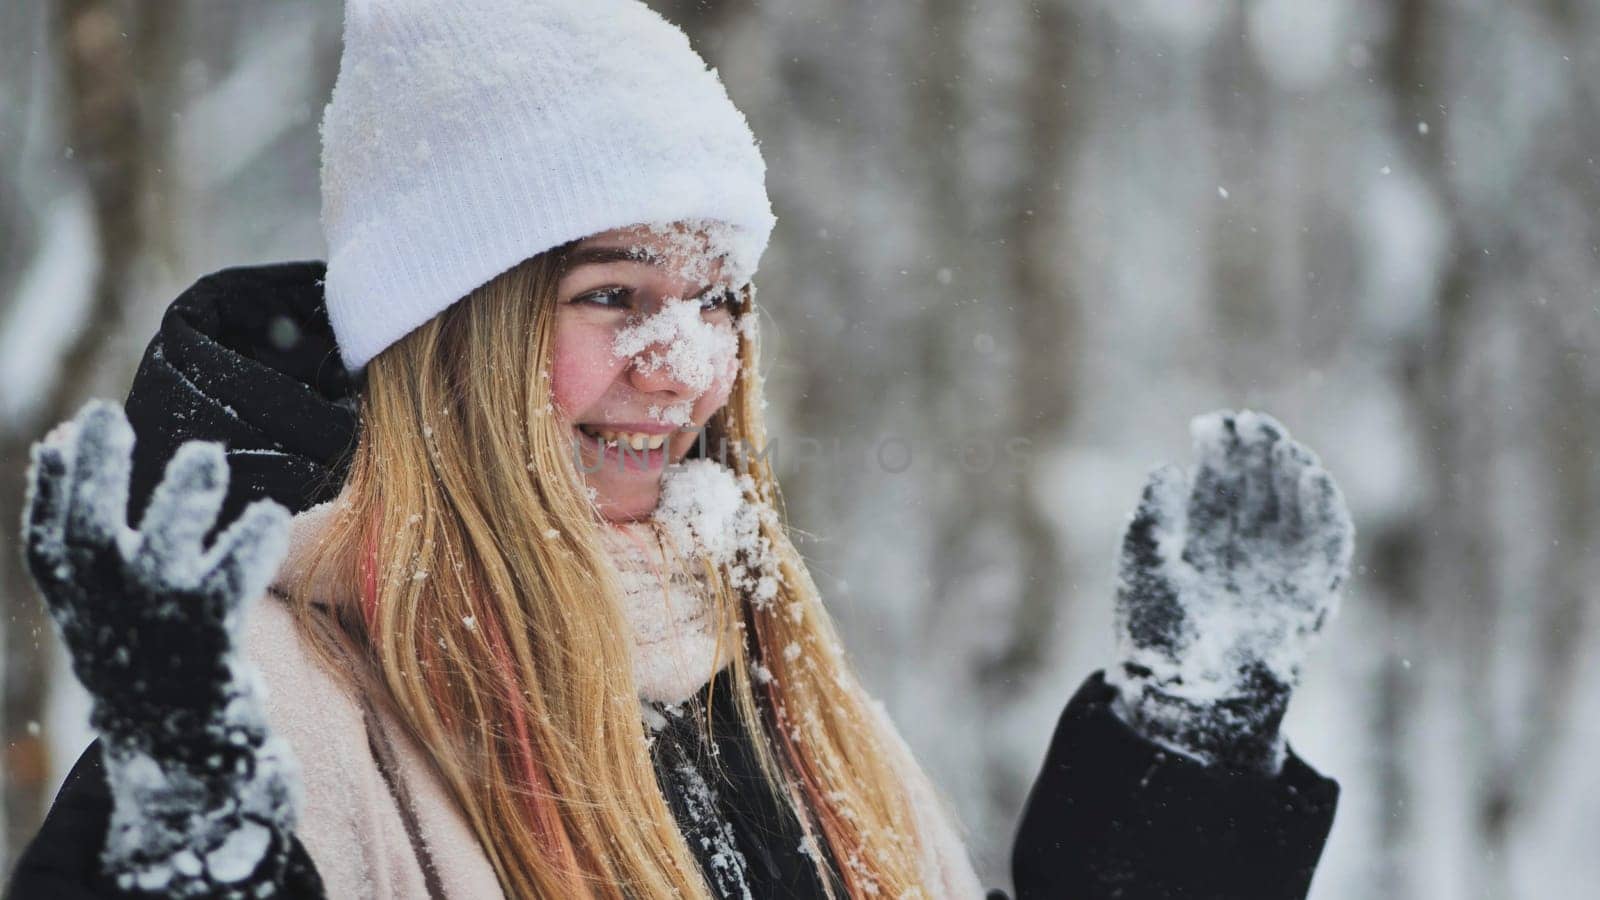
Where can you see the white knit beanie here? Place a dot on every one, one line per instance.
(466, 136)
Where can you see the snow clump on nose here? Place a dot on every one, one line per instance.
(696, 352)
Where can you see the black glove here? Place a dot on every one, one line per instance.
(202, 793)
(1224, 581)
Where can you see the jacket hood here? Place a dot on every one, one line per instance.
(246, 357)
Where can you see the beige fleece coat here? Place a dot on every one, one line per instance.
(375, 818)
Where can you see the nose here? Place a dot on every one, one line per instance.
(658, 369)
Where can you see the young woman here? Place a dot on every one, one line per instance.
(536, 628)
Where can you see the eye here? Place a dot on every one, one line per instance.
(715, 299)
(608, 298)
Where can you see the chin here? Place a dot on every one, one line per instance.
(635, 505)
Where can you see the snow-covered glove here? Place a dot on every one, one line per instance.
(1224, 581)
(203, 794)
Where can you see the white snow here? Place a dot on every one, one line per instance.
(715, 833)
(699, 251)
(240, 853)
(1270, 596)
(696, 353)
(679, 414)
(705, 506)
(165, 836)
(653, 719)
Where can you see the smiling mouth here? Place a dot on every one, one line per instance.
(634, 440)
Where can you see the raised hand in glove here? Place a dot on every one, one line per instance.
(1225, 578)
(202, 793)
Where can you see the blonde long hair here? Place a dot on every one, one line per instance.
(488, 624)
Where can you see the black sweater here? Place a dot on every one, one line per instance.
(246, 357)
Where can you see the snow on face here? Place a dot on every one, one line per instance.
(698, 251)
(707, 511)
(646, 352)
(677, 414)
(697, 351)
(678, 337)
(697, 348)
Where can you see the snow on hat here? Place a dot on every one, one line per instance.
(465, 137)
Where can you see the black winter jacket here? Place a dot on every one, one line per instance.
(246, 357)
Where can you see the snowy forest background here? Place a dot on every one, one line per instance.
(1074, 223)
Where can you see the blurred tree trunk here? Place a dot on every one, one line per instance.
(1504, 605)
(1037, 408)
(104, 48)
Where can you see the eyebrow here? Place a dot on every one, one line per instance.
(599, 256)
(595, 256)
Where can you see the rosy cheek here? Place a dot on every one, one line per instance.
(582, 368)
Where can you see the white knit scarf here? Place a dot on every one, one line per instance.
(677, 644)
